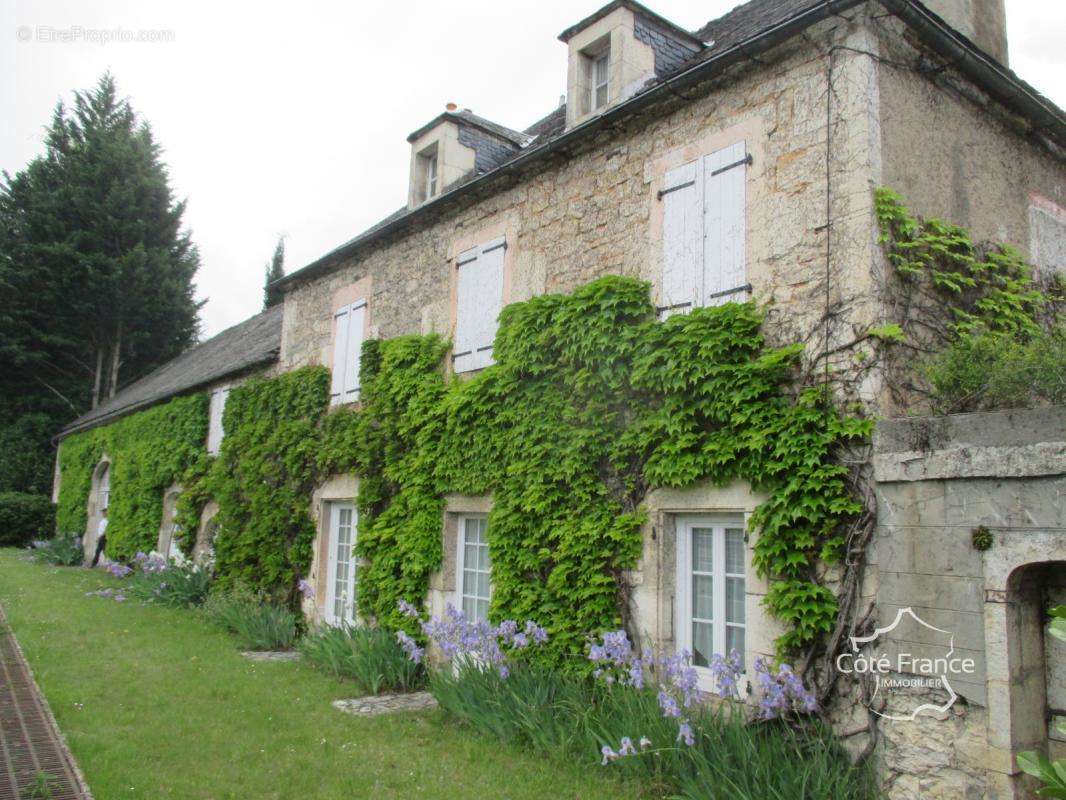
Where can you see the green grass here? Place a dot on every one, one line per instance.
(156, 703)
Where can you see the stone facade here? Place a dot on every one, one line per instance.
(594, 209)
(938, 480)
(826, 117)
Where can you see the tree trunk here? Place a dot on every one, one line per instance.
(116, 352)
(99, 376)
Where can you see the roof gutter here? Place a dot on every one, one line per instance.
(1002, 84)
(764, 40)
(111, 416)
(937, 34)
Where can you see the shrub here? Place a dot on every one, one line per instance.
(258, 625)
(642, 715)
(156, 580)
(61, 551)
(24, 517)
(985, 371)
(370, 656)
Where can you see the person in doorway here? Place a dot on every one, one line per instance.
(101, 538)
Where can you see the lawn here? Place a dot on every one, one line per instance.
(155, 703)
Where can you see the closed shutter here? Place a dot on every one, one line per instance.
(724, 274)
(682, 238)
(214, 420)
(479, 299)
(341, 325)
(356, 321)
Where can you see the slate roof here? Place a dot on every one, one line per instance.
(251, 343)
(632, 5)
(468, 117)
(748, 29)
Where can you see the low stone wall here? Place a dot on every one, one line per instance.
(938, 480)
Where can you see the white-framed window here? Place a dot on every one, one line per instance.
(704, 235)
(342, 569)
(215, 432)
(479, 299)
(472, 569)
(711, 616)
(349, 323)
(599, 66)
(431, 175)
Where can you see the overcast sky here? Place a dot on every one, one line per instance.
(291, 118)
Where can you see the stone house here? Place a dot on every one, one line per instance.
(733, 162)
(213, 367)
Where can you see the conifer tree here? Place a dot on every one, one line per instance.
(275, 270)
(96, 269)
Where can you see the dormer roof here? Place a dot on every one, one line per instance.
(468, 117)
(636, 8)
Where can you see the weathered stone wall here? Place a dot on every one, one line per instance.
(956, 155)
(594, 212)
(938, 479)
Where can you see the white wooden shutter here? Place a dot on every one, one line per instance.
(682, 238)
(724, 274)
(356, 323)
(341, 325)
(214, 420)
(479, 298)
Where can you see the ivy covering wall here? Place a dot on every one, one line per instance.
(262, 480)
(149, 451)
(591, 403)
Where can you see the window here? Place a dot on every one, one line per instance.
(599, 80)
(710, 589)
(431, 176)
(349, 323)
(342, 569)
(426, 180)
(472, 567)
(704, 232)
(214, 419)
(479, 298)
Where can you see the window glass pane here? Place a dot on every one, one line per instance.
(483, 609)
(734, 600)
(469, 582)
(482, 584)
(702, 549)
(470, 608)
(702, 643)
(734, 551)
(734, 640)
(470, 556)
(702, 597)
(483, 558)
(601, 96)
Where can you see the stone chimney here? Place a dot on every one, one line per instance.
(983, 22)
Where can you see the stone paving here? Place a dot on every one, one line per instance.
(386, 703)
(271, 655)
(32, 751)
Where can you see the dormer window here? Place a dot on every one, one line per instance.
(453, 147)
(427, 175)
(599, 80)
(615, 52)
(431, 174)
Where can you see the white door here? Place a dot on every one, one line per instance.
(710, 589)
(341, 569)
